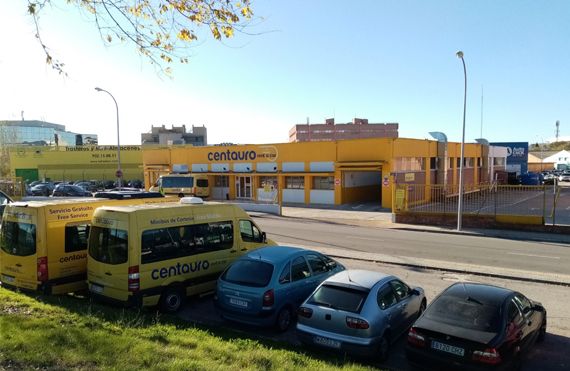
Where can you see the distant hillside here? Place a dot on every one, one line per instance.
(556, 146)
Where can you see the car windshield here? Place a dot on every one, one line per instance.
(341, 298)
(463, 312)
(18, 238)
(241, 273)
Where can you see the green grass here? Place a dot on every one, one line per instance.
(64, 332)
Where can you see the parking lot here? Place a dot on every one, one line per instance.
(550, 355)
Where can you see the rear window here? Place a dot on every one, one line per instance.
(18, 238)
(467, 313)
(341, 298)
(249, 273)
(107, 245)
(201, 182)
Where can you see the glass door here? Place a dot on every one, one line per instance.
(243, 187)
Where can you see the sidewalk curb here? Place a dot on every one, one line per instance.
(498, 233)
(453, 270)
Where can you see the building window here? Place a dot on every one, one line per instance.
(433, 163)
(323, 182)
(269, 182)
(402, 164)
(221, 181)
(468, 162)
(478, 161)
(499, 161)
(295, 182)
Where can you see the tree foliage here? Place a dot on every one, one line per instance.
(160, 30)
(554, 146)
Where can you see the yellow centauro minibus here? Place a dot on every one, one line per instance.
(43, 244)
(183, 185)
(149, 255)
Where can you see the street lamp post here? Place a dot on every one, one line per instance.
(119, 173)
(460, 202)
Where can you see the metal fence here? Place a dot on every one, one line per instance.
(552, 203)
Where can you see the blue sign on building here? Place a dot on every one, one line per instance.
(517, 156)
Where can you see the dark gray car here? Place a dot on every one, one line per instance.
(359, 312)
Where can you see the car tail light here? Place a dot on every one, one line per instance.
(357, 323)
(415, 339)
(42, 269)
(134, 279)
(305, 312)
(268, 298)
(489, 356)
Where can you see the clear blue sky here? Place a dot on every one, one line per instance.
(388, 61)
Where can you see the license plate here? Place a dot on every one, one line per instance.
(96, 288)
(7, 279)
(326, 342)
(238, 302)
(448, 348)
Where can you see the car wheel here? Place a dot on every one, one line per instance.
(423, 306)
(283, 320)
(542, 331)
(172, 300)
(384, 348)
(180, 195)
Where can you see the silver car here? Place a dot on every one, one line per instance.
(359, 312)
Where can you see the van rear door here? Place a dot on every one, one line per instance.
(108, 261)
(19, 244)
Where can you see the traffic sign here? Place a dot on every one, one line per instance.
(119, 173)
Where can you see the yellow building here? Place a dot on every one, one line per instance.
(74, 162)
(333, 173)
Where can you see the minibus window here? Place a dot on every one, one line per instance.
(76, 237)
(107, 245)
(249, 232)
(174, 242)
(178, 182)
(18, 238)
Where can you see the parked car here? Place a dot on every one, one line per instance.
(266, 286)
(70, 190)
(531, 179)
(564, 177)
(87, 186)
(475, 326)
(4, 200)
(359, 312)
(42, 189)
(549, 179)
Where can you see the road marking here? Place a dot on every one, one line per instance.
(535, 256)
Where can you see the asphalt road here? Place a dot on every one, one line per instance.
(552, 355)
(544, 257)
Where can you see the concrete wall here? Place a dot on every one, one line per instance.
(319, 196)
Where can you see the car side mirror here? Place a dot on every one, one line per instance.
(537, 308)
(263, 237)
(331, 265)
(415, 292)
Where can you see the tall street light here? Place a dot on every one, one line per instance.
(119, 172)
(460, 202)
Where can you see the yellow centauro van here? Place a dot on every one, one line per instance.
(43, 244)
(148, 255)
(183, 185)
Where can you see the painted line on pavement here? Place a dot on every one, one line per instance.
(534, 256)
